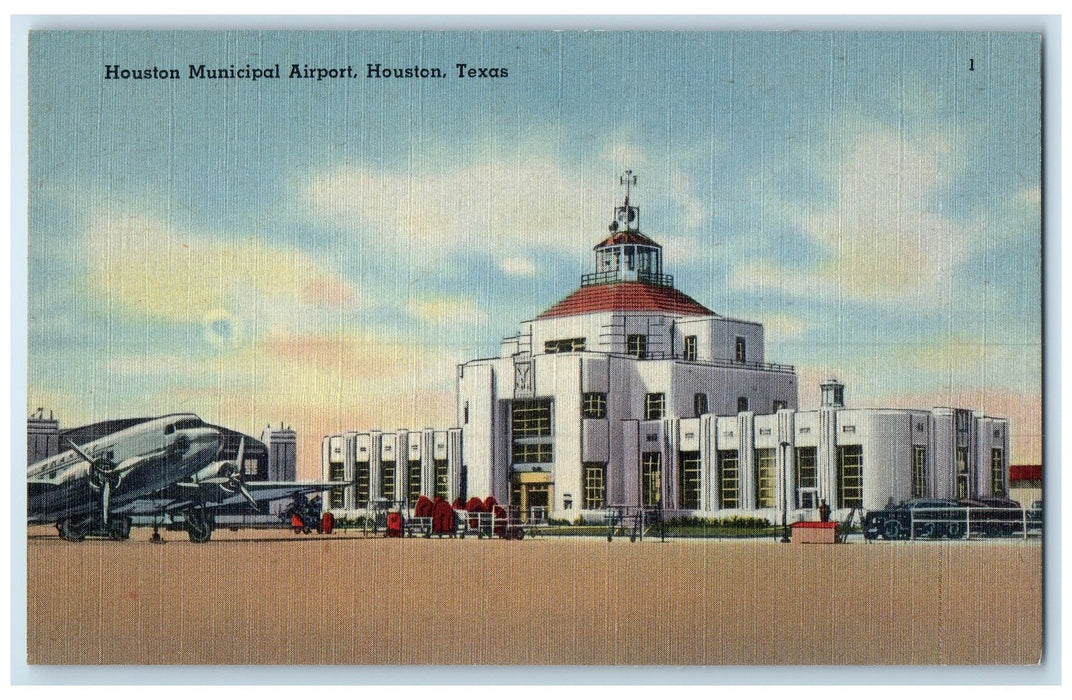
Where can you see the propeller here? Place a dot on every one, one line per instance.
(106, 479)
(230, 477)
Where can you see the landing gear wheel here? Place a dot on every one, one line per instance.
(198, 527)
(891, 530)
(72, 531)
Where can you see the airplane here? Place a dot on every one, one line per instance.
(162, 466)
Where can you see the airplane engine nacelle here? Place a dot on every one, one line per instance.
(218, 470)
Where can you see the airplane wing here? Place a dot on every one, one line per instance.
(264, 491)
(187, 494)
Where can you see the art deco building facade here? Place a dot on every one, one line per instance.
(630, 392)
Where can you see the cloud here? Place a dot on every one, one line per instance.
(493, 207)
(152, 270)
(782, 327)
(883, 234)
(506, 208)
(518, 267)
(452, 311)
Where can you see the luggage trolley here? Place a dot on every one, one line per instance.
(522, 523)
(384, 515)
(635, 521)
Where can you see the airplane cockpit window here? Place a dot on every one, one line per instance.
(169, 429)
(187, 424)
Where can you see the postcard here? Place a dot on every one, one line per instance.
(534, 348)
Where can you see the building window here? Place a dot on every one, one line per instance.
(689, 480)
(740, 353)
(531, 418)
(413, 481)
(337, 472)
(742, 404)
(850, 476)
(807, 473)
(533, 453)
(651, 479)
(387, 480)
(654, 406)
(465, 414)
(699, 404)
(593, 405)
(637, 346)
(595, 485)
(531, 428)
(997, 472)
(442, 478)
(564, 345)
(765, 478)
(778, 406)
(963, 490)
(690, 348)
(363, 493)
(919, 471)
(728, 480)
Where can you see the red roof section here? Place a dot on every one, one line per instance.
(627, 237)
(627, 296)
(1025, 472)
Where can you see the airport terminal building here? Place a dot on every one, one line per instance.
(630, 392)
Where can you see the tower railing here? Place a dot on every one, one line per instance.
(609, 276)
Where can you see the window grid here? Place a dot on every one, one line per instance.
(387, 479)
(690, 348)
(919, 471)
(594, 405)
(637, 346)
(442, 478)
(850, 459)
(363, 493)
(595, 486)
(651, 478)
(413, 483)
(531, 418)
(532, 452)
(564, 345)
(765, 478)
(728, 479)
(699, 404)
(997, 472)
(654, 406)
(739, 353)
(807, 473)
(689, 477)
(337, 472)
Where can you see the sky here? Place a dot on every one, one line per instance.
(323, 253)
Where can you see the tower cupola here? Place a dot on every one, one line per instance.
(627, 255)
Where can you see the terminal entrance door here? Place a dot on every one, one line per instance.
(808, 497)
(532, 493)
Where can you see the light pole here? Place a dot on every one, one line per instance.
(785, 495)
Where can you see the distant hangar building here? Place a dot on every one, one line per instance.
(630, 392)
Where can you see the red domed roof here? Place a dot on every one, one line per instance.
(627, 296)
(625, 237)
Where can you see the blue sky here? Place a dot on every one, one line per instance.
(324, 253)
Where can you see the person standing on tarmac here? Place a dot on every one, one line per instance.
(824, 511)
